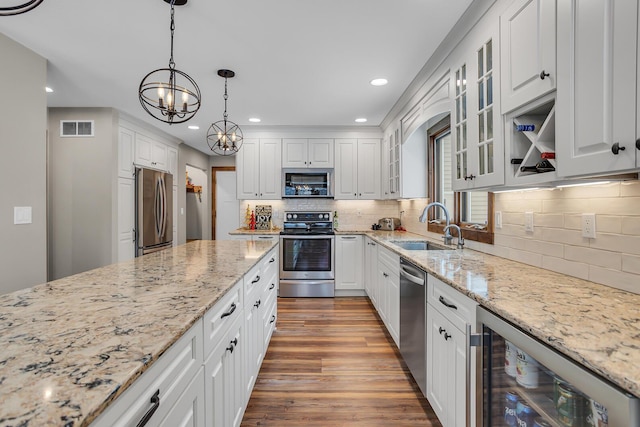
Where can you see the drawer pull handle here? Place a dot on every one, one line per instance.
(256, 280)
(273, 318)
(446, 303)
(230, 312)
(272, 260)
(348, 237)
(155, 399)
(273, 285)
(257, 304)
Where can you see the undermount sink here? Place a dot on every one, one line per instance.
(416, 245)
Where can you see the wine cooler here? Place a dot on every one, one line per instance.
(526, 383)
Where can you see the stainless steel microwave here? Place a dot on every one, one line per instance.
(307, 183)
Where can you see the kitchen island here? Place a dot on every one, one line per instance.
(595, 325)
(68, 348)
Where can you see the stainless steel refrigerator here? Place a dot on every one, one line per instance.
(154, 211)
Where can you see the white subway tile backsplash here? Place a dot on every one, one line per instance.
(576, 269)
(593, 256)
(631, 264)
(630, 225)
(614, 278)
(617, 243)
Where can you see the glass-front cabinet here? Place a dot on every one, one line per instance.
(526, 383)
(476, 117)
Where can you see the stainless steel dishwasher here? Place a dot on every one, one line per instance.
(413, 321)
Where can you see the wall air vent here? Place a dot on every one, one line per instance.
(76, 128)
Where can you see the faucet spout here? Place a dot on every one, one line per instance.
(423, 217)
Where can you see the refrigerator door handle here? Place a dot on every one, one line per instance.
(471, 340)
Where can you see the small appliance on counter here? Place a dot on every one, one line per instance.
(388, 224)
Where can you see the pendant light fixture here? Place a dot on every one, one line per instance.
(224, 137)
(169, 94)
(19, 8)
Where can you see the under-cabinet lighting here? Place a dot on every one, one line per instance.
(517, 189)
(583, 184)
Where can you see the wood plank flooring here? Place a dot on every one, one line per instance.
(332, 363)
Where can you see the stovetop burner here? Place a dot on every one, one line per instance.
(308, 223)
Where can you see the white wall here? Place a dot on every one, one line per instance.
(81, 179)
(23, 165)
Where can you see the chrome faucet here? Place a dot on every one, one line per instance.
(447, 236)
(460, 243)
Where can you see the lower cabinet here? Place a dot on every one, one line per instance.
(389, 291)
(449, 312)
(206, 377)
(349, 262)
(371, 270)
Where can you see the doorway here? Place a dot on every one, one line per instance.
(196, 206)
(225, 208)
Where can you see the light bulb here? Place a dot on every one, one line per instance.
(233, 137)
(185, 99)
(160, 95)
(170, 100)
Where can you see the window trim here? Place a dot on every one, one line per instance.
(483, 236)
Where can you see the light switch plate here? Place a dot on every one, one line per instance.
(22, 215)
(528, 222)
(498, 219)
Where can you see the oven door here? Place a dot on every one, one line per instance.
(308, 257)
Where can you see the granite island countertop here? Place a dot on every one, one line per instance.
(70, 347)
(595, 325)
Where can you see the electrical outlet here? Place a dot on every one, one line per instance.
(498, 219)
(528, 222)
(589, 225)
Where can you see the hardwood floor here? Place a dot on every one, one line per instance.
(332, 363)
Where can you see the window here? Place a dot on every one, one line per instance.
(471, 211)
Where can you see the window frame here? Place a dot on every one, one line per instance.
(468, 232)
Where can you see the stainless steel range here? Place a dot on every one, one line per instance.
(307, 261)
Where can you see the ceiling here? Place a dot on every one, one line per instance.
(297, 62)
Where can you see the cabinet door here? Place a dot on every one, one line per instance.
(346, 170)
(320, 153)
(349, 262)
(270, 169)
(254, 350)
(369, 169)
(188, 411)
(528, 51)
(371, 269)
(294, 153)
(172, 165)
(144, 150)
(126, 142)
(393, 306)
(159, 156)
(248, 169)
(126, 219)
(596, 86)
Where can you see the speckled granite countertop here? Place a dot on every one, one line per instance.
(69, 347)
(595, 325)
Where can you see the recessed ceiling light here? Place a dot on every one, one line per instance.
(255, 120)
(361, 120)
(194, 127)
(48, 89)
(379, 82)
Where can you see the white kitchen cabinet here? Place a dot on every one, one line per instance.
(476, 124)
(389, 291)
(172, 165)
(528, 52)
(357, 169)
(391, 165)
(126, 219)
(188, 411)
(371, 269)
(223, 374)
(126, 144)
(448, 314)
(348, 256)
(597, 86)
(307, 153)
(150, 152)
(258, 165)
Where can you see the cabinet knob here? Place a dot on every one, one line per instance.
(616, 148)
(441, 330)
(638, 144)
(257, 304)
(543, 74)
(470, 177)
(446, 336)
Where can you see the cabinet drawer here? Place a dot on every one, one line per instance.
(390, 259)
(270, 263)
(269, 321)
(219, 317)
(456, 307)
(167, 377)
(252, 283)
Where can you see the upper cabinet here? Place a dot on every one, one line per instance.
(528, 51)
(597, 71)
(391, 164)
(357, 169)
(258, 164)
(478, 152)
(307, 153)
(151, 153)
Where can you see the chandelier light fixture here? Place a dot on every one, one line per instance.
(19, 8)
(169, 94)
(224, 137)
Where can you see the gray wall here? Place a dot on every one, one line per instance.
(23, 165)
(196, 209)
(199, 160)
(80, 192)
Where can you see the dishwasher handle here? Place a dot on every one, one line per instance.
(411, 274)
